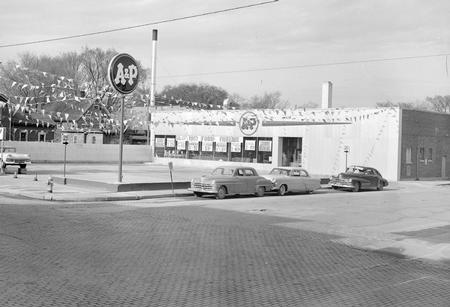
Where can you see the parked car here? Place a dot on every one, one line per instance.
(292, 179)
(357, 178)
(230, 180)
(9, 157)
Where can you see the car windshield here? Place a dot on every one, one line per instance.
(280, 171)
(356, 170)
(9, 149)
(224, 171)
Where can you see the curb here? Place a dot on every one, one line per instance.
(62, 198)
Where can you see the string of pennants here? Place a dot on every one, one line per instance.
(215, 117)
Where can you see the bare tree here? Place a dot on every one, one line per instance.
(266, 101)
(439, 103)
(201, 93)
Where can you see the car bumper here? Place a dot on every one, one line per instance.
(342, 184)
(205, 191)
(17, 162)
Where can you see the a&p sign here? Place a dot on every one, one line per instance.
(123, 73)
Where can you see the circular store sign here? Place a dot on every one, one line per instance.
(248, 123)
(123, 73)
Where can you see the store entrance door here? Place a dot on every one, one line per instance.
(291, 154)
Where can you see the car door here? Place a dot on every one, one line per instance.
(239, 182)
(250, 180)
(297, 182)
(310, 183)
(371, 178)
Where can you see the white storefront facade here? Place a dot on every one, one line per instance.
(315, 139)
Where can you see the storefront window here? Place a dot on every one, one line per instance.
(194, 145)
(160, 144)
(250, 150)
(181, 146)
(224, 148)
(264, 150)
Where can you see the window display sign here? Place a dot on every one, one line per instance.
(192, 138)
(235, 146)
(193, 146)
(250, 145)
(159, 142)
(207, 146)
(265, 146)
(207, 139)
(181, 145)
(223, 139)
(222, 147)
(170, 142)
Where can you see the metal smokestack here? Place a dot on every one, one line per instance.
(153, 74)
(327, 94)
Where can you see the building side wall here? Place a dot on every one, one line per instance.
(430, 131)
(54, 152)
(372, 140)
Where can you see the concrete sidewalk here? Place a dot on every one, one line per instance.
(93, 182)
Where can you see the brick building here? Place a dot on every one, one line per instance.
(425, 144)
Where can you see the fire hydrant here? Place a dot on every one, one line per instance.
(50, 185)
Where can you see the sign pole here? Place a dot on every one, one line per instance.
(123, 73)
(2, 170)
(171, 178)
(65, 151)
(346, 150)
(121, 137)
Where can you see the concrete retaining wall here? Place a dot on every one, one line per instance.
(54, 152)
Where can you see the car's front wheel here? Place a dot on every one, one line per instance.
(221, 192)
(357, 186)
(260, 191)
(282, 190)
(380, 185)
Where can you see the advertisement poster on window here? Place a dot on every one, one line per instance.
(250, 145)
(265, 146)
(181, 145)
(193, 146)
(235, 146)
(159, 142)
(207, 139)
(193, 138)
(170, 142)
(222, 147)
(207, 146)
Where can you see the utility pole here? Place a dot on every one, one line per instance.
(153, 73)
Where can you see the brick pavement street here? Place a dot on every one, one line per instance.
(104, 254)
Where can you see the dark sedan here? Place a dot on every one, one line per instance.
(357, 178)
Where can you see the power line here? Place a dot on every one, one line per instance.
(309, 65)
(139, 26)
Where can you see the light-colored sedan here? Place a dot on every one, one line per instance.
(9, 157)
(292, 179)
(230, 180)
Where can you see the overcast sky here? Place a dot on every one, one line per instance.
(277, 35)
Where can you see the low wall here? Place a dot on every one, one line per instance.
(54, 152)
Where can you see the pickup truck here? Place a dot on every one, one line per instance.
(9, 157)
